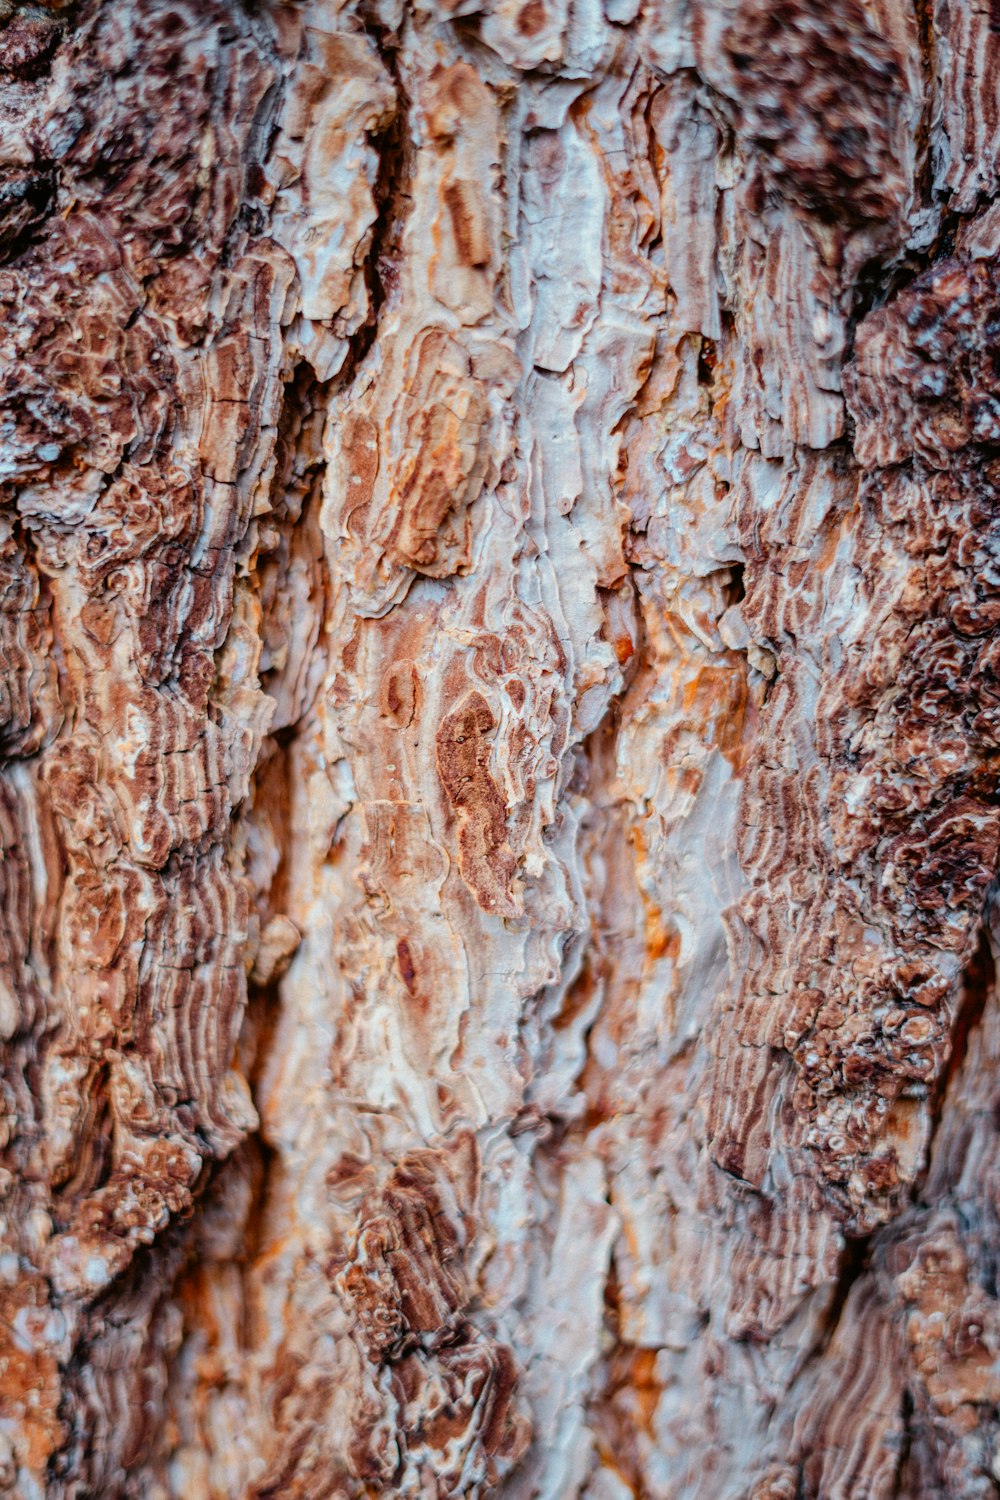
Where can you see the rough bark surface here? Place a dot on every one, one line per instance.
(500, 732)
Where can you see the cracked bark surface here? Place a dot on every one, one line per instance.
(499, 748)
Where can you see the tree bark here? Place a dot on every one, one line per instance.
(500, 718)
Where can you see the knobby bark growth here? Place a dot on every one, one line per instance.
(500, 732)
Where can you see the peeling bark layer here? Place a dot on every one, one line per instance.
(500, 723)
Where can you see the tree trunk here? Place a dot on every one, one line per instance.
(500, 716)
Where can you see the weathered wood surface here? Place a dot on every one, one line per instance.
(500, 716)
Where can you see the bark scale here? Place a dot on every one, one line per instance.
(500, 717)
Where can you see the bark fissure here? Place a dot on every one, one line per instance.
(393, 147)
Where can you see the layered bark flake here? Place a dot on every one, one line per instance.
(499, 746)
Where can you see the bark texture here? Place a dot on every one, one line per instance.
(500, 718)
